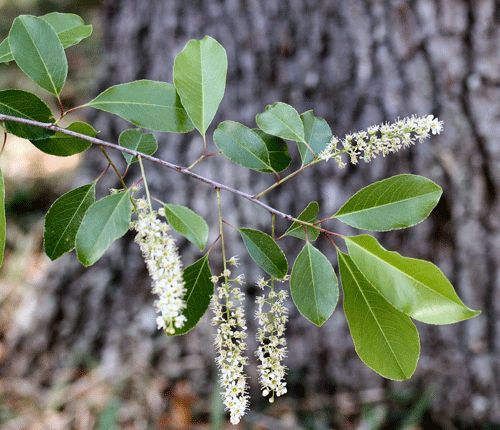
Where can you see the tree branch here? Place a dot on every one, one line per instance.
(167, 164)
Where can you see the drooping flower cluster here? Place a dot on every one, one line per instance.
(381, 139)
(164, 266)
(272, 316)
(229, 319)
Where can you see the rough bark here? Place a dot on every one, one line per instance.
(356, 63)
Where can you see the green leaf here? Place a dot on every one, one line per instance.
(138, 141)
(199, 290)
(415, 287)
(282, 120)
(3, 222)
(105, 221)
(309, 214)
(385, 339)
(70, 30)
(317, 134)
(314, 285)
(200, 79)
(63, 145)
(279, 157)
(243, 146)
(397, 202)
(38, 52)
(25, 105)
(265, 252)
(5, 54)
(187, 223)
(147, 104)
(64, 218)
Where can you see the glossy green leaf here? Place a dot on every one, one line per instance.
(279, 157)
(138, 141)
(64, 218)
(314, 285)
(317, 134)
(417, 288)
(25, 105)
(282, 120)
(105, 221)
(187, 223)
(38, 52)
(63, 145)
(309, 214)
(70, 30)
(199, 290)
(3, 222)
(397, 202)
(265, 252)
(147, 104)
(384, 338)
(242, 146)
(200, 79)
(5, 54)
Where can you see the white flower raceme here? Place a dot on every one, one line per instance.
(381, 139)
(272, 316)
(164, 266)
(229, 318)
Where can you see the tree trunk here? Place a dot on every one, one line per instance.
(356, 63)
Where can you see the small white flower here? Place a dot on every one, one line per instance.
(234, 261)
(381, 139)
(229, 318)
(164, 266)
(272, 316)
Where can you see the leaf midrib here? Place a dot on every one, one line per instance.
(181, 221)
(405, 274)
(319, 319)
(340, 214)
(71, 220)
(374, 317)
(300, 139)
(40, 56)
(263, 253)
(103, 229)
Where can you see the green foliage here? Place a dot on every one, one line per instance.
(3, 222)
(393, 203)
(147, 104)
(310, 215)
(385, 339)
(5, 54)
(64, 145)
(63, 220)
(38, 52)
(200, 79)
(415, 287)
(199, 290)
(265, 252)
(382, 289)
(282, 120)
(279, 157)
(314, 285)
(251, 148)
(70, 29)
(138, 141)
(187, 223)
(317, 134)
(28, 106)
(105, 221)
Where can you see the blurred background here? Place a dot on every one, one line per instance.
(79, 348)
